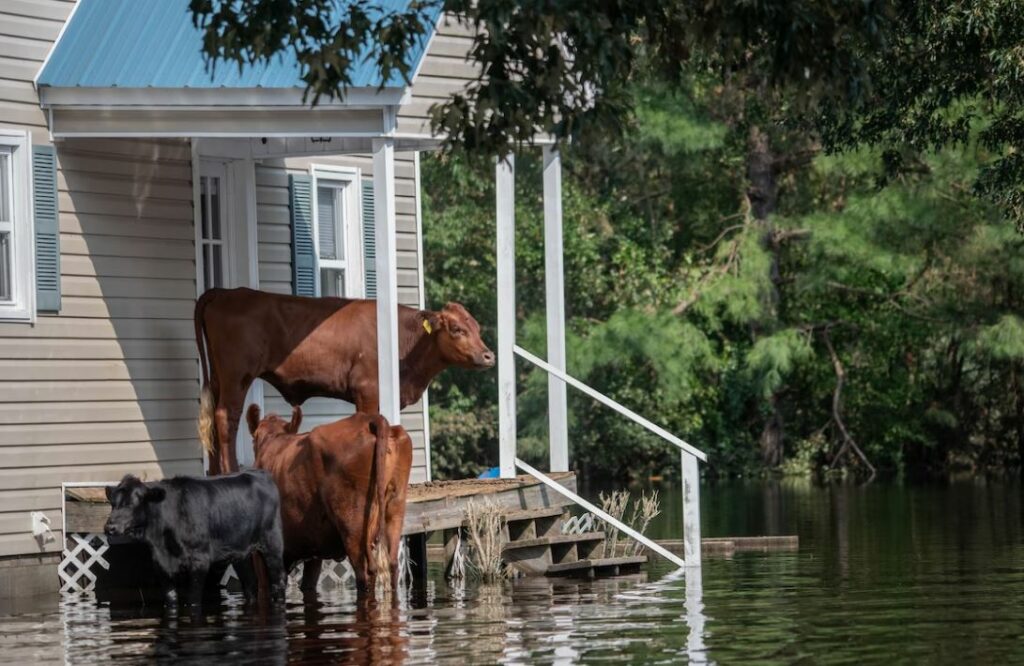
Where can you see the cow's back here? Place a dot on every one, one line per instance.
(222, 517)
(298, 474)
(304, 347)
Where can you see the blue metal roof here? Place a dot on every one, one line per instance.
(153, 44)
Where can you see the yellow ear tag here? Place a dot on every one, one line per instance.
(426, 326)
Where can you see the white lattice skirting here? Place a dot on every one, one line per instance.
(81, 553)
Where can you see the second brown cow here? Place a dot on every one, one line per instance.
(343, 488)
(315, 347)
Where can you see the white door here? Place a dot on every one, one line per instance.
(226, 248)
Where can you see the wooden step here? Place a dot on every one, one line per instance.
(533, 514)
(602, 566)
(535, 556)
(533, 523)
(554, 540)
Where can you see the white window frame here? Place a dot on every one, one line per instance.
(350, 179)
(22, 307)
(218, 170)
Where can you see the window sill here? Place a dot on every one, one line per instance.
(10, 315)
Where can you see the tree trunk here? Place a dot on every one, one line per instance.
(763, 192)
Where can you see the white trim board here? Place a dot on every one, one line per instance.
(113, 98)
(22, 307)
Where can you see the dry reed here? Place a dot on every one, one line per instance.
(486, 529)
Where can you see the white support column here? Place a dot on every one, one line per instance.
(425, 400)
(554, 281)
(691, 510)
(387, 278)
(504, 177)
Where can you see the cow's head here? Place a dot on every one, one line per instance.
(458, 338)
(130, 501)
(271, 425)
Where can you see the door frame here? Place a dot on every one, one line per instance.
(241, 249)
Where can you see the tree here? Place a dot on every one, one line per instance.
(947, 68)
(554, 67)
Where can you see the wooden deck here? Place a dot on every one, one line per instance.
(432, 506)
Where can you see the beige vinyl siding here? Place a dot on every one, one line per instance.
(108, 386)
(444, 71)
(27, 30)
(274, 243)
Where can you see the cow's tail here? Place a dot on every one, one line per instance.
(380, 427)
(207, 432)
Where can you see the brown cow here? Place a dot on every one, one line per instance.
(343, 487)
(315, 347)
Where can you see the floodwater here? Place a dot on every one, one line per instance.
(884, 574)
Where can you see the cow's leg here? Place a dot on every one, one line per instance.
(368, 404)
(275, 573)
(227, 415)
(196, 582)
(359, 558)
(247, 577)
(392, 537)
(272, 554)
(170, 592)
(310, 575)
(213, 463)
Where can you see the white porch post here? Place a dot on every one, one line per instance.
(387, 278)
(558, 416)
(504, 176)
(691, 510)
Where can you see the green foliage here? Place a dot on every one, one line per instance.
(919, 282)
(1003, 340)
(772, 358)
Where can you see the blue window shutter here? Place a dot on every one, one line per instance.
(303, 251)
(369, 240)
(44, 195)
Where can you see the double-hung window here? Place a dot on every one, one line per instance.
(17, 265)
(337, 232)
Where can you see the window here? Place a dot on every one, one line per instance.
(17, 268)
(212, 228)
(338, 232)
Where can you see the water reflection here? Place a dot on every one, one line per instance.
(884, 574)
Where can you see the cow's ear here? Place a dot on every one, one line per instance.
(109, 490)
(432, 321)
(155, 494)
(293, 425)
(252, 417)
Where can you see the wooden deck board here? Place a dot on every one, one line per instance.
(431, 506)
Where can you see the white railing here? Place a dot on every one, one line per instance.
(689, 455)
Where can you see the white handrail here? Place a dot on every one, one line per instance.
(605, 400)
(562, 490)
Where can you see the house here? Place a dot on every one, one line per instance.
(131, 180)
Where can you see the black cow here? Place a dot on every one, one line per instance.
(191, 523)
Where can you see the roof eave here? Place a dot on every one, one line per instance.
(215, 98)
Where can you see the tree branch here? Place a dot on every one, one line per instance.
(848, 443)
(695, 293)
